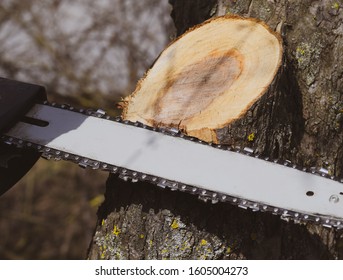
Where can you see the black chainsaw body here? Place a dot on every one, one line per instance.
(16, 99)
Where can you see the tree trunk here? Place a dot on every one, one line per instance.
(299, 119)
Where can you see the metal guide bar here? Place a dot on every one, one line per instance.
(202, 193)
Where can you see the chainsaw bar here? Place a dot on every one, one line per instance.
(169, 159)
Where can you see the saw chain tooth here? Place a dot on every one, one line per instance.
(100, 113)
(203, 198)
(174, 131)
(83, 165)
(255, 207)
(242, 206)
(162, 183)
(248, 151)
(214, 198)
(46, 156)
(6, 141)
(95, 165)
(285, 218)
(327, 225)
(123, 177)
(324, 172)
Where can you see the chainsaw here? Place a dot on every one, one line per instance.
(31, 127)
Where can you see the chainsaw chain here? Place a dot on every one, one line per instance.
(204, 195)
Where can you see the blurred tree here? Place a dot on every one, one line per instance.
(87, 53)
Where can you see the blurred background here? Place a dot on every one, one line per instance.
(88, 54)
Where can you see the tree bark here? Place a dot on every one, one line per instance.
(300, 120)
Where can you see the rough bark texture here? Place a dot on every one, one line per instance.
(142, 221)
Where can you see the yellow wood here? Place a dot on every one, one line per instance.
(208, 77)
